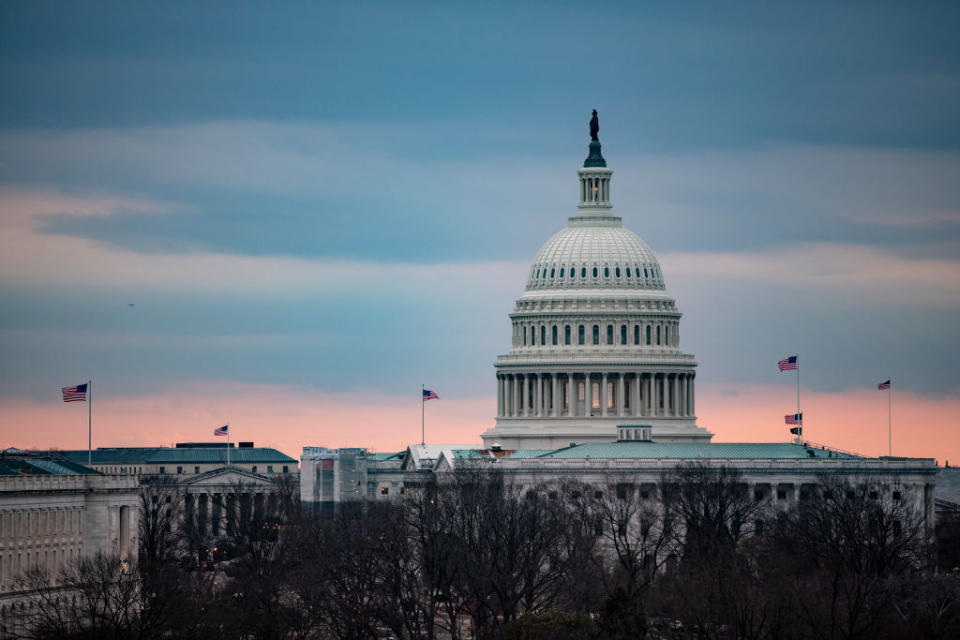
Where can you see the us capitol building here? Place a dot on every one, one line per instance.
(597, 388)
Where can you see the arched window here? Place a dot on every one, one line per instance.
(596, 334)
(566, 334)
(561, 272)
(595, 272)
(628, 272)
(538, 274)
(645, 274)
(648, 334)
(583, 272)
(606, 272)
(658, 334)
(609, 334)
(617, 272)
(666, 338)
(580, 336)
(636, 334)
(623, 334)
(552, 272)
(543, 335)
(595, 392)
(524, 336)
(554, 335)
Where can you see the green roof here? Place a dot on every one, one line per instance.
(185, 455)
(711, 450)
(528, 453)
(41, 466)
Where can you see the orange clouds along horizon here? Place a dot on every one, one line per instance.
(289, 418)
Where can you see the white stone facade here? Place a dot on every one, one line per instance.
(48, 521)
(596, 339)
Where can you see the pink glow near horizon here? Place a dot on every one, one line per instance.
(289, 418)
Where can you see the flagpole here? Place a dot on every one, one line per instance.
(228, 444)
(89, 422)
(889, 420)
(423, 439)
(799, 415)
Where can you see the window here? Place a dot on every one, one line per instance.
(286, 469)
(606, 272)
(543, 335)
(595, 393)
(648, 334)
(580, 336)
(618, 272)
(179, 469)
(609, 334)
(636, 334)
(611, 389)
(623, 334)
(524, 336)
(533, 335)
(384, 491)
(596, 334)
(162, 470)
(196, 469)
(269, 468)
(583, 272)
(538, 274)
(658, 334)
(628, 272)
(554, 335)
(566, 334)
(253, 468)
(645, 273)
(666, 339)
(595, 272)
(552, 272)
(626, 393)
(561, 272)
(581, 390)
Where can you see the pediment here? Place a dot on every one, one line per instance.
(228, 477)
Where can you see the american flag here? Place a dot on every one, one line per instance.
(884, 385)
(430, 395)
(222, 431)
(793, 418)
(76, 393)
(788, 364)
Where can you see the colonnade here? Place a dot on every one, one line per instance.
(616, 394)
(218, 512)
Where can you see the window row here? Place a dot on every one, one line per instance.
(636, 335)
(650, 272)
(40, 522)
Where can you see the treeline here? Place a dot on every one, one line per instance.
(696, 555)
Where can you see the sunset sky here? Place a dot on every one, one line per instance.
(290, 216)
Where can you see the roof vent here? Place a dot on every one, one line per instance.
(496, 446)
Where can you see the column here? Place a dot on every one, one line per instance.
(512, 386)
(621, 390)
(603, 394)
(555, 409)
(536, 395)
(587, 395)
(682, 393)
(693, 408)
(635, 389)
(571, 395)
(499, 396)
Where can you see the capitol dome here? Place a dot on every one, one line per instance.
(596, 338)
(595, 255)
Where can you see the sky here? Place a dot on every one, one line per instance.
(290, 216)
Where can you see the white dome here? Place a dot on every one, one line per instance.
(601, 253)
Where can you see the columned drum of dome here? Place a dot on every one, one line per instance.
(596, 338)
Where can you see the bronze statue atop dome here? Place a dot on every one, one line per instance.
(594, 126)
